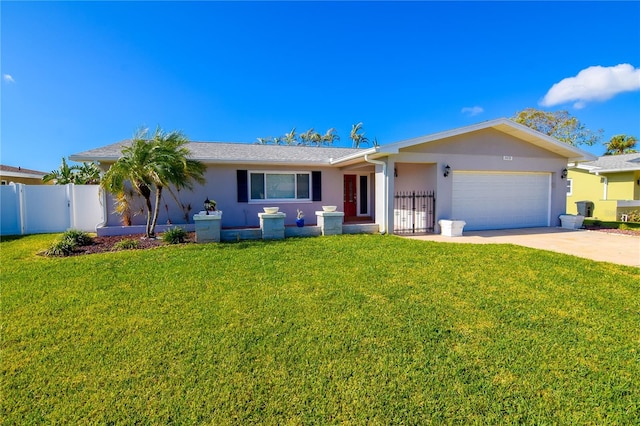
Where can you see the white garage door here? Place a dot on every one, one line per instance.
(489, 200)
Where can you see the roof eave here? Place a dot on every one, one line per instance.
(354, 156)
(628, 169)
(22, 175)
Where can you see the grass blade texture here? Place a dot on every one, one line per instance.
(350, 329)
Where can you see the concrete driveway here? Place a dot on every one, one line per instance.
(594, 245)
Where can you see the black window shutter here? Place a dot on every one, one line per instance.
(316, 186)
(243, 187)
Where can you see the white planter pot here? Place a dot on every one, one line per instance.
(571, 221)
(451, 228)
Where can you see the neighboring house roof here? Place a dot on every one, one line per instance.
(223, 152)
(11, 171)
(503, 125)
(613, 164)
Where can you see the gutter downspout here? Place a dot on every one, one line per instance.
(384, 189)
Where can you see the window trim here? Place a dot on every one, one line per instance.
(294, 173)
(570, 187)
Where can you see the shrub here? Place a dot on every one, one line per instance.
(127, 244)
(175, 236)
(633, 215)
(79, 238)
(63, 247)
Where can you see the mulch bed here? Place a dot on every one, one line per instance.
(106, 244)
(633, 232)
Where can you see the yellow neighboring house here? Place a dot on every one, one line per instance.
(10, 174)
(605, 189)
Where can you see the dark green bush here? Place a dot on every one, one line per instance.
(127, 244)
(634, 216)
(175, 236)
(63, 247)
(79, 238)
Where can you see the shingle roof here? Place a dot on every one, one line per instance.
(223, 152)
(19, 170)
(615, 163)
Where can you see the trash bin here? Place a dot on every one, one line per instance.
(585, 208)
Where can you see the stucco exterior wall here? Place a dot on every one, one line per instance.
(486, 150)
(483, 142)
(591, 187)
(621, 186)
(585, 187)
(414, 177)
(221, 186)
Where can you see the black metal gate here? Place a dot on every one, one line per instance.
(414, 212)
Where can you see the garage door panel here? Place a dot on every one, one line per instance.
(488, 200)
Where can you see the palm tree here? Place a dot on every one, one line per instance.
(262, 141)
(86, 174)
(306, 137)
(621, 144)
(153, 163)
(62, 176)
(172, 166)
(330, 137)
(291, 138)
(315, 138)
(132, 167)
(358, 138)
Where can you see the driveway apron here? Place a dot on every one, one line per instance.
(594, 245)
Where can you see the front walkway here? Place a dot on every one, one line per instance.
(594, 245)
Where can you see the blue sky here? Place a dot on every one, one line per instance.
(80, 75)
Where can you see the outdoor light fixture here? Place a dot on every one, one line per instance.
(447, 169)
(638, 182)
(208, 205)
(564, 173)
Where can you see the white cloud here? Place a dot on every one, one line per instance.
(472, 111)
(593, 84)
(8, 78)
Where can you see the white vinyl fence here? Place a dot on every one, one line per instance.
(39, 209)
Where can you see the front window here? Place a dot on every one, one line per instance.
(280, 186)
(569, 187)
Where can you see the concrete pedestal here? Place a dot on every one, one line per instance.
(208, 227)
(571, 221)
(330, 222)
(451, 228)
(272, 225)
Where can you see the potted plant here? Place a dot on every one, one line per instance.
(300, 219)
(210, 205)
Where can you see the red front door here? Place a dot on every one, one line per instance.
(350, 196)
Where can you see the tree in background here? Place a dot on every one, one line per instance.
(621, 144)
(155, 163)
(357, 135)
(330, 137)
(291, 138)
(305, 137)
(313, 138)
(560, 125)
(84, 174)
(87, 174)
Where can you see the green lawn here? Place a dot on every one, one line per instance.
(353, 329)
